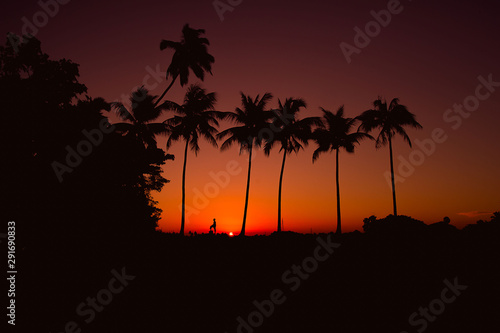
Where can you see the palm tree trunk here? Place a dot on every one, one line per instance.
(183, 219)
(339, 223)
(392, 179)
(279, 191)
(242, 233)
(166, 90)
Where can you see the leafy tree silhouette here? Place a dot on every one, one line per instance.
(336, 135)
(140, 118)
(107, 193)
(368, 222)
(254, 118)
(292, 135)
(391, 120)
(190, 53)
(196, 118)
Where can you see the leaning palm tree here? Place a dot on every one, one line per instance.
(335, 135)
(195, 118)
(254, 119)
(391, 120)
(190, 53)
(291, 134)
(139, 120)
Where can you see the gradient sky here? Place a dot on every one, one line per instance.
(430, 56)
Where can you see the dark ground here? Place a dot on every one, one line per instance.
(372, 283)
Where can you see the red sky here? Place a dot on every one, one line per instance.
(430, 55)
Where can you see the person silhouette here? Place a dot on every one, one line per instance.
(214, 226)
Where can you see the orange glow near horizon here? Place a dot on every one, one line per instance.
(429, 64)
(309, 202)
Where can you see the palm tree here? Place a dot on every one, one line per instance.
(335, 135)
(195, 118)
(291, 134)
(254, 119)
(190, 53)
(391, 120)
(139, 120)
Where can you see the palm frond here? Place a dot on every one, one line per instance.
(122, 111)
(172, 106)
(159, 128)
(168, 44)
(123, 128)
(390, 120)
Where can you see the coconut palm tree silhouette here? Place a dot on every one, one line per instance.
(190, 53)
(292, 134)
(333, 136)
(195, 118)
(139, 120)
(254, 120)
(391, 120)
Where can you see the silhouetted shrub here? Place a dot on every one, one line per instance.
(391, 224)
(43, 113)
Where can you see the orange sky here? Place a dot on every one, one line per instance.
(430, 56)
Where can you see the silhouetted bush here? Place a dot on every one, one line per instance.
(43, 113)
(481, 226)
(391, 224)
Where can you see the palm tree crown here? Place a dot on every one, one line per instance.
(291, 134)
(190, 53)
(336, 135)
(391, 120)
(195, 118)
(140, 118)
(254, 120)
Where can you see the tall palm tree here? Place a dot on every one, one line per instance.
(292, 134)
(253, 119)
(139, 120)
(391, 120)
(190, 53)
(335, 135)
(195, 118)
